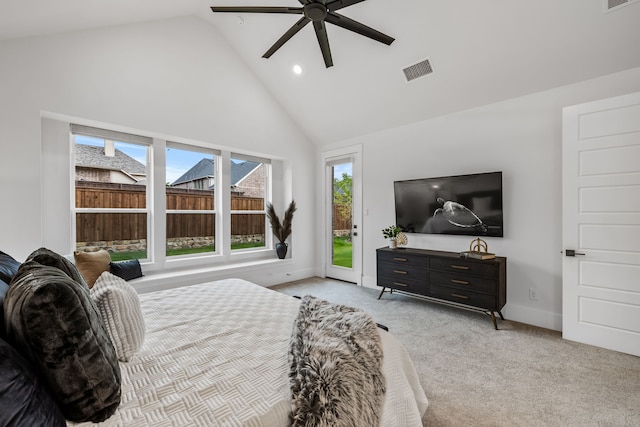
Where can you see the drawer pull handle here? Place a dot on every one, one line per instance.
(460, 267)
(400, 284)
(459, 296)
(460, 282)
(401, 259)
(400, 272)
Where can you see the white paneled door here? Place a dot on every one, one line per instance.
(601, 223)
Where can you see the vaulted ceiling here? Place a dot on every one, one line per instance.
(481, 51)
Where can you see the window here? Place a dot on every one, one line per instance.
(249, 178)
(111, 208)
(191, 214)
(166, 202)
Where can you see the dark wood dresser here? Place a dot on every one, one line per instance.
(445, 277)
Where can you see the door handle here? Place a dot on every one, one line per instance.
(572, 252)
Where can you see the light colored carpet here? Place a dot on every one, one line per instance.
(474, 375)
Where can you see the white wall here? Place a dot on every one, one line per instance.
(522, 138)
(179, 78)
(176, 79)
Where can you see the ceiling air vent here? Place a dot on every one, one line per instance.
(614, 4)
(418, 70)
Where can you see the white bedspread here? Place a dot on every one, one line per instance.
(215, 354)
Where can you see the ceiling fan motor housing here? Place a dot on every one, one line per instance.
(315, 11)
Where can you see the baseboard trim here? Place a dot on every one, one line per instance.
(532, 316)
(370, 282)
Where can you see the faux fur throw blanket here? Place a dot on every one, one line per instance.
(335, 367)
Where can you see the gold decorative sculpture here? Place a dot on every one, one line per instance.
(402, 239)
(478, 245)
(478, 249)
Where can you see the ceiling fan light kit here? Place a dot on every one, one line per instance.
(319, 12)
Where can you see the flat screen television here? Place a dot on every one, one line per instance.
(463, 204)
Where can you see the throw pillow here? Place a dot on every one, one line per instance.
(24, 400)
(126, 269)
(44, 256)
(8, 267)
(3, 290)
(92, 264)
(52, 321)
(119, 306)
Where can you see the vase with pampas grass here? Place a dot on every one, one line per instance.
(281, 230)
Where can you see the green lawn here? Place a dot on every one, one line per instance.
(121, 256)
(342, 252)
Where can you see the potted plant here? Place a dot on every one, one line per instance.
(281, 230)
(391, 233)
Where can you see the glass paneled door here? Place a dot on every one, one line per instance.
(343, 240)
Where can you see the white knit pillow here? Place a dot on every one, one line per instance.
(120, 310)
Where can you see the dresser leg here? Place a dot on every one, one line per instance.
(500, 313)
(381, 292)
(493, 318)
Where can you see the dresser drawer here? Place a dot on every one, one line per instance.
(399, 258)
(479, 268)
(463, 281)
(463, 297)
(403, 284)
(444, 277)
(402, 271)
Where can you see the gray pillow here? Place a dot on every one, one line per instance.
(52, 321)
(50, 258)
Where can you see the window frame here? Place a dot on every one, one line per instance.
(156, 211)
(217, 224)
(266, 163)
(114, 137)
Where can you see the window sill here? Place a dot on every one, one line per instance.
(167, 279)
(209, 260)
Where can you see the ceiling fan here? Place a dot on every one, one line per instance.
(319, 12)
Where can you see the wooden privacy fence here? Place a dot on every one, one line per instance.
(132, 226)
(341, 217)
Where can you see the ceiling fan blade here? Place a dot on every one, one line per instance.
(323, 40)
(334, 5)
(259, 9)
(356, 27)
(286, 36)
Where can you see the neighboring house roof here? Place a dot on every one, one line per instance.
(205, 168)
(90, 156)
(240, 171)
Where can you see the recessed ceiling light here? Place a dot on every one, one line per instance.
(297, 69)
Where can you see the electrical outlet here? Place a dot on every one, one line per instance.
(533, 294)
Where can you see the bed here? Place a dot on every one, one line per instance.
(215, 354)
(221, 353)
